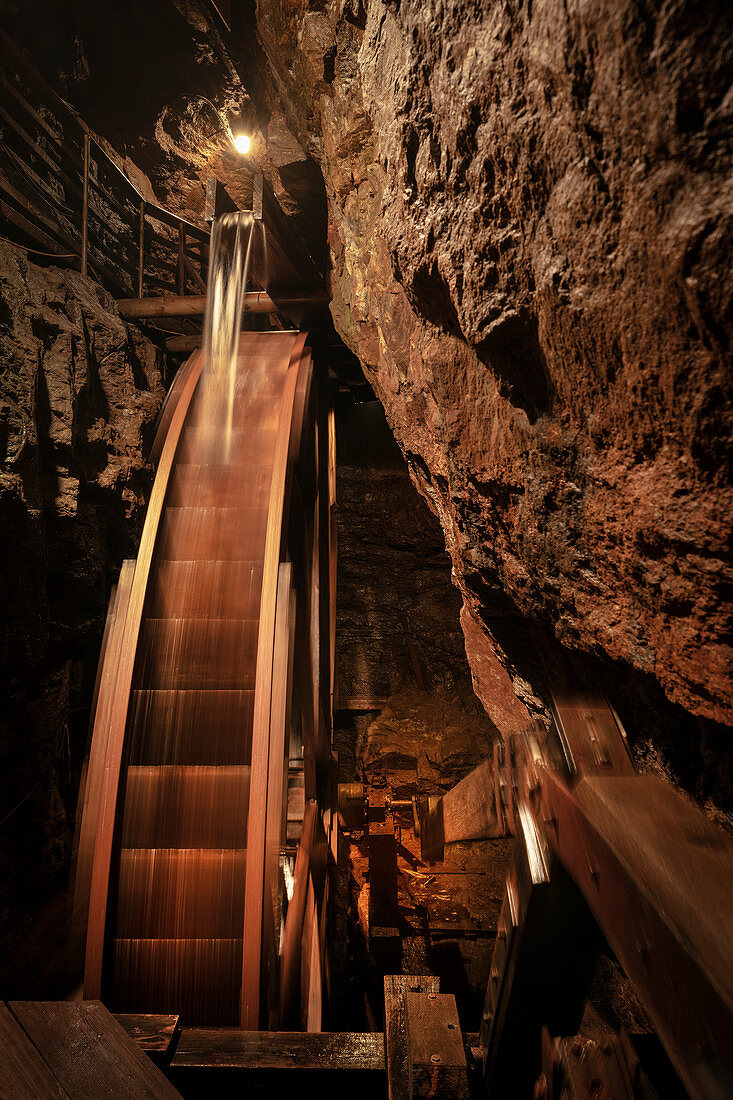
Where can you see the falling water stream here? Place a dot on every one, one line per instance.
(230, 254)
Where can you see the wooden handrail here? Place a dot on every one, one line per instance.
(58, 183)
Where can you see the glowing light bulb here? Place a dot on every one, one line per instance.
(242, 143)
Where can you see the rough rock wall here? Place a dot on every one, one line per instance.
(79, 397)
(398, 635)
(397, 611)
(530, 230)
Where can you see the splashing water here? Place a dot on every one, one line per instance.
(229, 258)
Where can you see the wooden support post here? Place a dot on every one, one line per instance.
(141, 250)
(217, 200)
(396, 988)
(384, 935)
(194, 305)
(181, 257)
(85, 208)
(436, 1060)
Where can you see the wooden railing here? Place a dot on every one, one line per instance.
(62, 195)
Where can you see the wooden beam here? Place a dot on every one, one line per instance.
(436, 1060)
(209, 1048)
(23, 1072)
(194, 305)
(658, 877)
(396, 988)
(88, 1052)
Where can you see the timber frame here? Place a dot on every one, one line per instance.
(601, 848)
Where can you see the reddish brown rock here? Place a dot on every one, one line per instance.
(530, 230)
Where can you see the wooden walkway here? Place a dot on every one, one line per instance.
(74, 1050)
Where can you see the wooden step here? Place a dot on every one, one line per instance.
(186, 807)
(206, 589)
(212, 534)
(218, 485)
(180, 893)
(197, 653)
(191, 727)
(200, 979)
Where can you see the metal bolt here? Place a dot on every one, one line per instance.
(435, 1058)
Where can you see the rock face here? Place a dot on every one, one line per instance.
(398, 634)
(79, 397)
(530, 229)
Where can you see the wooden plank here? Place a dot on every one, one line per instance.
(217, 201)
(53, 167)
(89, 1053)
(396, 988)
(95, 771)
(294, 920)
(30, 229)
(153, 1034)
(658, 877)
(276, 823)
(194, 305)
(436, 1059)
(23, 1073)
(591, 736)
(207, 1048)
(250, 1013)
(311, 967)
(68, 234)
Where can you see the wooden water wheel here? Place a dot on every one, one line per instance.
(213, 710)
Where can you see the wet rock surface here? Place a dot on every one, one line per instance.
(529, 224)
(79, 397)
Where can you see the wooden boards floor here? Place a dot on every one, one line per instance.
(73, 1050)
